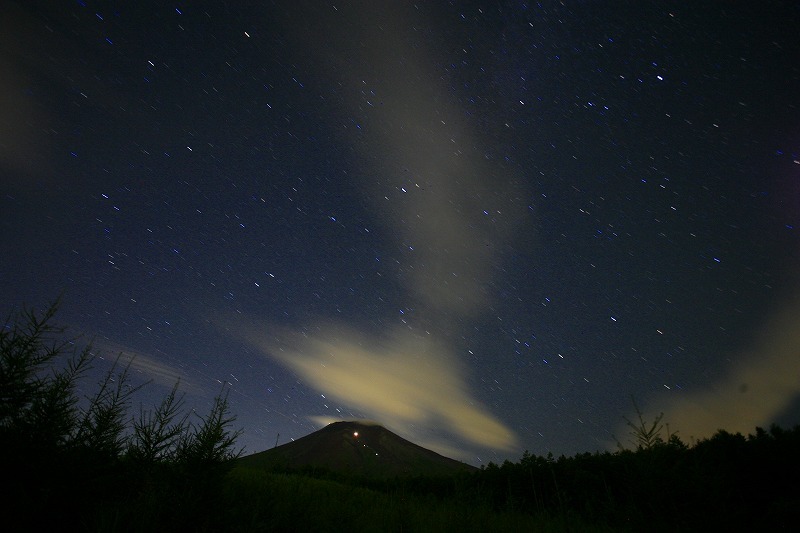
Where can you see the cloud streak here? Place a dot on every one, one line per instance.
(400, 381)
(450, 206)
(761, 383)
(24, 154)
(445, 205)
(148, 366)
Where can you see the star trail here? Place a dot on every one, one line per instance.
(485, 225)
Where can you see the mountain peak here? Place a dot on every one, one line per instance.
(362, 448)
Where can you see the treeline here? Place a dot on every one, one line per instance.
(86, 463)
(727, 482)
(73, 463)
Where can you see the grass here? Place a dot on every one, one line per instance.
(265, 501)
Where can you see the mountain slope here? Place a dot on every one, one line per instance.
(359, 449)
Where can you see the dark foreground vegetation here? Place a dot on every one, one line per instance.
(86, 464)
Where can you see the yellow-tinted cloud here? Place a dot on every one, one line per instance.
(446, 205)
(399, 381)
(761, 383)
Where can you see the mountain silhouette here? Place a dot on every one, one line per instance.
(356, 448)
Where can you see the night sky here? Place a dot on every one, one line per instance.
(486, 225)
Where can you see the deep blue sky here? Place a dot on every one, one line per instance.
(485, 225)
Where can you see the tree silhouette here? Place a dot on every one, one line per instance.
(89, 466)
(647, 435)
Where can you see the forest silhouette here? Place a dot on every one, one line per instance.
(89, 464)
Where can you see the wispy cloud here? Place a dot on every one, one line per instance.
(761, 383)
(449, 204)
(400, 380)
(147, 366)
(24, 159)
(446, 205)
